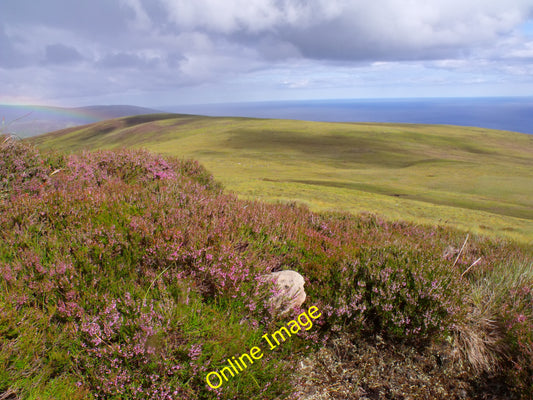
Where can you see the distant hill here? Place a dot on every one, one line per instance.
(26, 121)
(478, 180)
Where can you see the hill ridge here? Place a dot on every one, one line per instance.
(439, 172)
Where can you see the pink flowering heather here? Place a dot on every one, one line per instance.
(125, 274)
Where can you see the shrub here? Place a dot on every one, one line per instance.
(142, 275)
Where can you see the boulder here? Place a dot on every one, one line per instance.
(290, 290)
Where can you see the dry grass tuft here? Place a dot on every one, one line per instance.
(479, 341)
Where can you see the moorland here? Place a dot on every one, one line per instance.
(473, 179)
(127, 273)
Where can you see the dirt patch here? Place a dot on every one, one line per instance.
(372, 369)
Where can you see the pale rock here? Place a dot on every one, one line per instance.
(290, 285)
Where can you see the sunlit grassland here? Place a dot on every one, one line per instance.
(473, 179)
(117, 268)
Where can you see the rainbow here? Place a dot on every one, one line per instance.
(9, 112)
(29, 120)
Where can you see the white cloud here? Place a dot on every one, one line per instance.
(252, 16)
(343, 29)
(348, 46)
(298, 84)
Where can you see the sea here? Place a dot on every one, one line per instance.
(503, 113)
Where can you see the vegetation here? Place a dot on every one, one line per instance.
(125, 274)
(477, 180)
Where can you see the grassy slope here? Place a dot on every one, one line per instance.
(116, 271)
(469, 178)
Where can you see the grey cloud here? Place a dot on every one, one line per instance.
(174, 59)
(356, 30)
(329, 41)
(98, 19)
(61, 54)
(168, 44)
(9, 56)
(126, 60)
(273, 49)
(349, 30)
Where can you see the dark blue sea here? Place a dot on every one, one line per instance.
(505, 113)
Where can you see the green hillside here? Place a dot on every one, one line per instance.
(128, 275)
(469, 178)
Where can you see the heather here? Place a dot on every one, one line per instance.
(125, 274)
(472, 179)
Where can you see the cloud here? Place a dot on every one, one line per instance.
(127, 60)
(356, 30)
(251, 16)
(298, 84)
(61, 47)
(61, 54)
(524, 51)
(10, 56)
(141, 19)
(98, 19)
(343, 30)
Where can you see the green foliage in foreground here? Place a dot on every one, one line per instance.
(128, 275)
(477, 180)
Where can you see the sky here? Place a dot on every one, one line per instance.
(171, 52)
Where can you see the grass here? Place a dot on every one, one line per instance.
(476, 180)
(131, 275)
